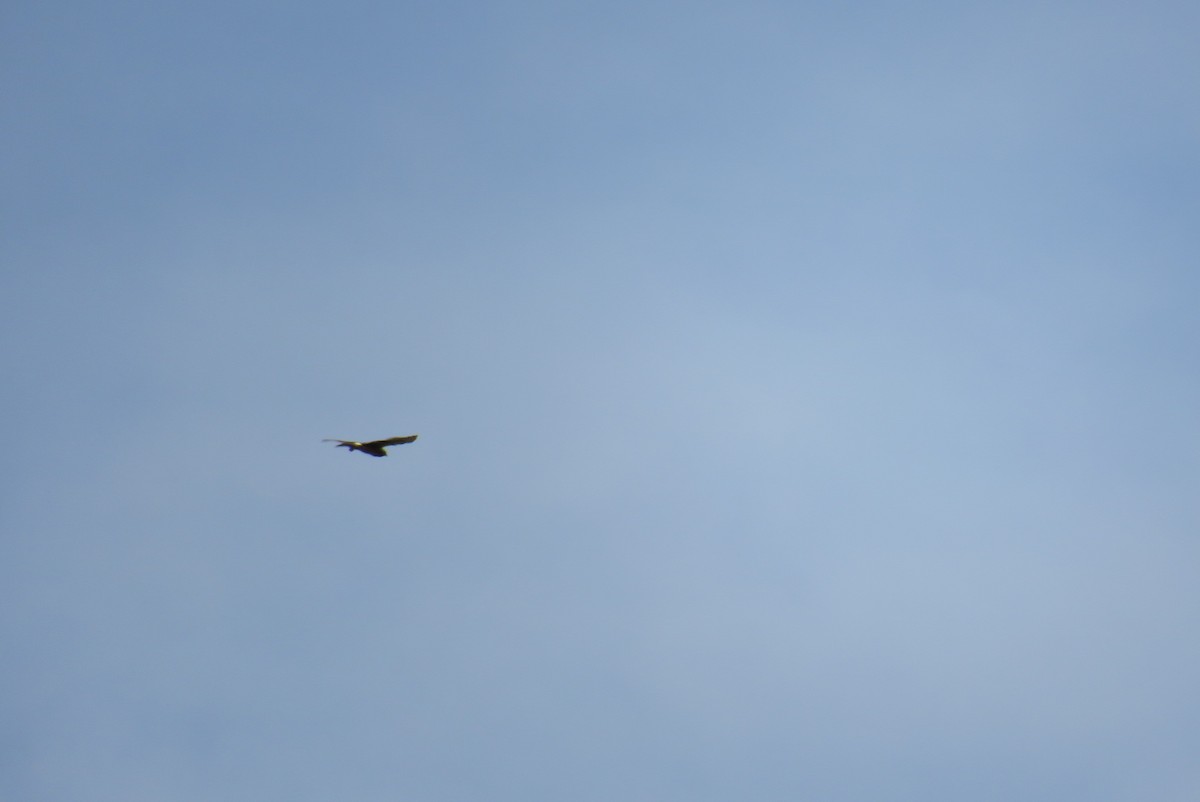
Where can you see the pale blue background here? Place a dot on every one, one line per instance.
(807, 395)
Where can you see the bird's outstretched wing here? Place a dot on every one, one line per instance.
(342, 442)
(392, 441)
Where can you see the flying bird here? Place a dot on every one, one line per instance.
(374, 447)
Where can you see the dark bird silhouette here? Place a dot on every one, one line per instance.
(374, 447)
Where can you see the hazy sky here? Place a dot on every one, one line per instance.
(807, 399)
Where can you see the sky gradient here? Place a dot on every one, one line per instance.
(807, 399)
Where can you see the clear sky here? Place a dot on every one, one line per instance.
(807, 399)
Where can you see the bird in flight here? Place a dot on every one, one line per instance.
(374, 447)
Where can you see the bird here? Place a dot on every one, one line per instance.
(374, 447)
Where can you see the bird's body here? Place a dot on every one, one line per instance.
(373, 447)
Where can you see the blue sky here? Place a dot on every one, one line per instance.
(807, 399)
